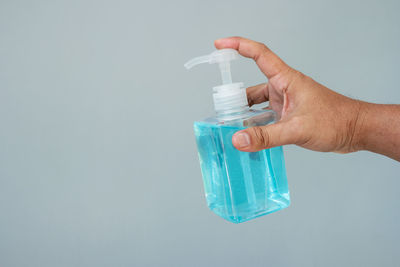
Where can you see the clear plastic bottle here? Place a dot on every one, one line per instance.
(239, 186)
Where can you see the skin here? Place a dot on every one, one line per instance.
(311, 115)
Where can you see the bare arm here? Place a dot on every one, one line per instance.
(379, 129)
(311, 115)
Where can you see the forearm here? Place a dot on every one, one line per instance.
(378, 129)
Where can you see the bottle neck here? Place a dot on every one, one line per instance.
(230, 99)
(232, 113)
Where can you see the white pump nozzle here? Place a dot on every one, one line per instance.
(229, 96)
(223, 57)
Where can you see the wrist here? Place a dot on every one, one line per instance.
(378, 129)
(358, 135)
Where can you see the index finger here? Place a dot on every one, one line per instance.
(268, 62)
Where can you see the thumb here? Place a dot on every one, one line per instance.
(263, 137)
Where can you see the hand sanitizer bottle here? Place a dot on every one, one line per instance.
(239, 186)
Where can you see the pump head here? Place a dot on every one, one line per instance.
(228, 97)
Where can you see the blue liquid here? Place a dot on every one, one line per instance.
(239, 186)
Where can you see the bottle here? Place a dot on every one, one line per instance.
(239, 186)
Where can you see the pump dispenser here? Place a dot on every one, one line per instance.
(239, 186)
(229, 95)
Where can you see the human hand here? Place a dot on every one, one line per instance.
(310, 115)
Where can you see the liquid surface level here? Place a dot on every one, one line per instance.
(239, 186)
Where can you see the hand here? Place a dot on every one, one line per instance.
(310, 115)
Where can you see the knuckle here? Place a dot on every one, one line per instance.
(261, 137)
(262, 50)
(263, 47)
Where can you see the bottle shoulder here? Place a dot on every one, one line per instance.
(250, 118)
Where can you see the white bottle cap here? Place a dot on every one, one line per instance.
(228, 96)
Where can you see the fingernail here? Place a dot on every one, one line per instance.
(241, 139)
(219, 40)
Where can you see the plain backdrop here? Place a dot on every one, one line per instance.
(98, 162)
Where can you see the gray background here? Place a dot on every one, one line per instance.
(98, 164)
